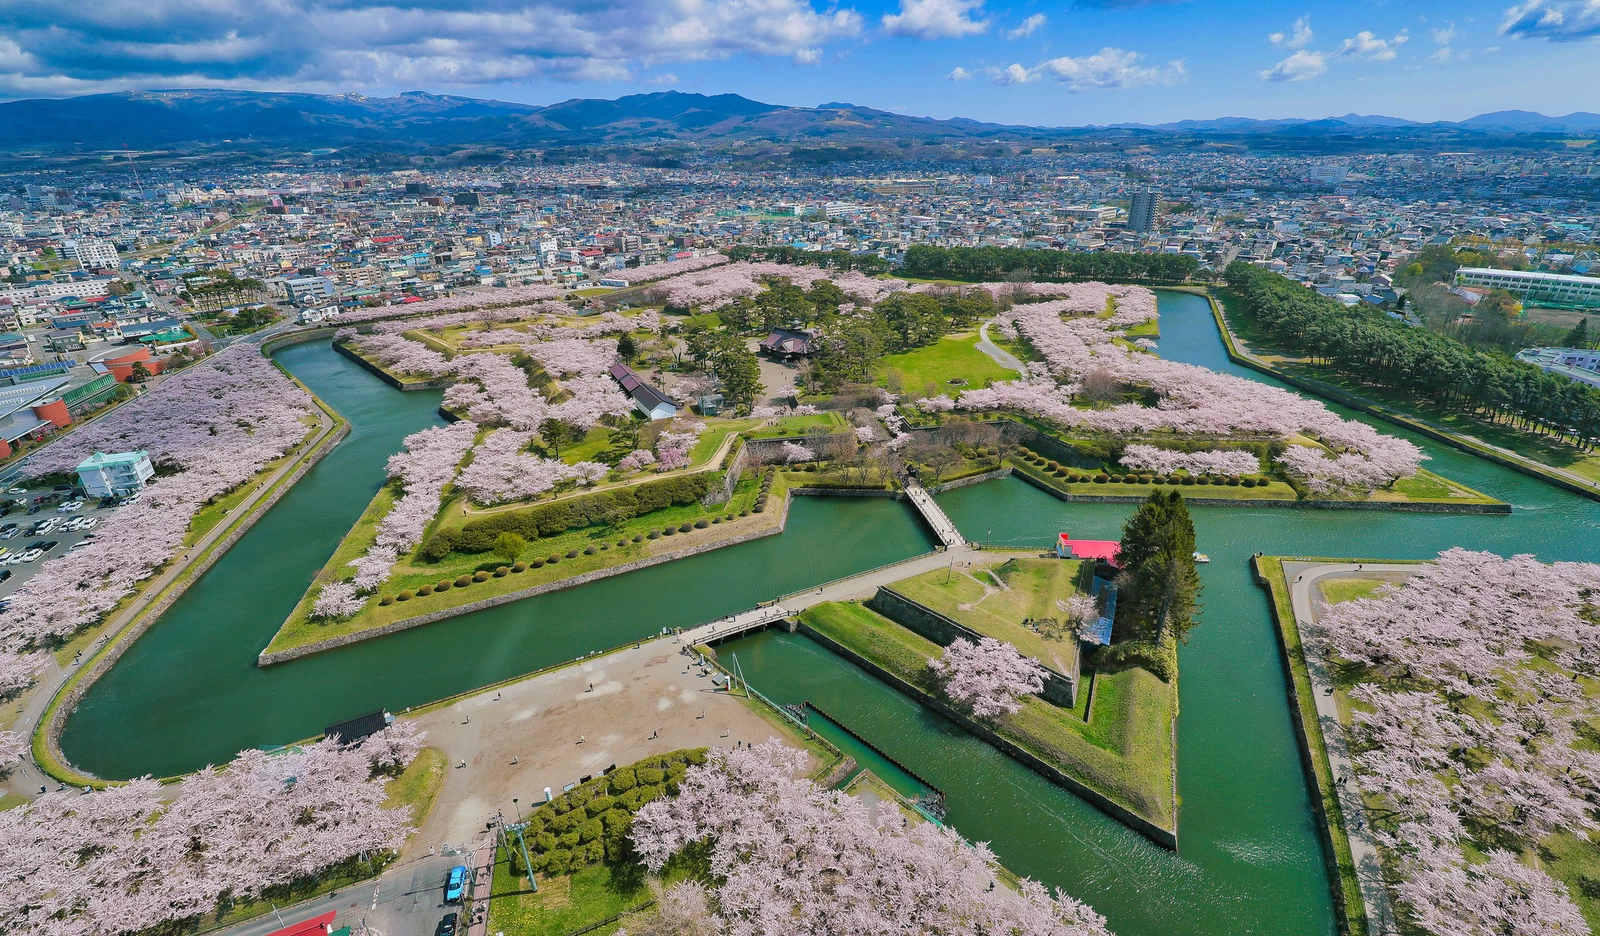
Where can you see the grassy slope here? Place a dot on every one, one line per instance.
(409, 573)
(1035, 586)
(1125, 752)
(1289, 633)
(955, 357)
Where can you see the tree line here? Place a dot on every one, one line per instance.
(997, 263)
(1374, 348)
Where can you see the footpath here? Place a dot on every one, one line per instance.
(1302, 578)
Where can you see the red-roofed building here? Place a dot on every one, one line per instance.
(1098, 550)
(122, 367)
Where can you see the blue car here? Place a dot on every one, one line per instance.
(456, 884)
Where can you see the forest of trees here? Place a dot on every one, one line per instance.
(1160, 588)
(1372, 347)
(999, 263)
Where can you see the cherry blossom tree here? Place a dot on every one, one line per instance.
(1166, 461)
(988, 676)
(793, 452)
(129, 857)
(788, 856)
(501, 471)
(11, 747)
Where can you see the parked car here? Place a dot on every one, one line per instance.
(49, 545)
(9, 530)
(447, 926)
(17, 491)
(32, 554)
(455, 884)
(89, 523)
(4, 575)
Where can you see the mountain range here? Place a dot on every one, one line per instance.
(189, 119)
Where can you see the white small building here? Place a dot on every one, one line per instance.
(115, 475)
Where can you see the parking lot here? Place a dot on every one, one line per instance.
(18, 538)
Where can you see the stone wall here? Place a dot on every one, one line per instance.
(730, 479)
(387, 377)
(1401, 506)
(295, 653)
(1166, 838)
(1059, 688)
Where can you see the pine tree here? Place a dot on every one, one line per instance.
(1578, 337)
(1157, 558)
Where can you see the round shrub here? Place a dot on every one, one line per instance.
(744, 513)
(701, 524)
(537, 563)
(424, 590)
(713, 520)
(624, 541)
(444, 585)
(669, 531)
(386, 600)
(1233, 482)
(685, 528)
(520, 567)
(1248, 482)
(728, 517)
(761, 508)
(1101, 479)
(1052, 465)
(403, 596)
(480, 576)
(1130, 479)
(462, 581)
(502, 571)
(553, 558)
(809, 467)
(1061, 473)
(1158, 479)
(1202, 480)
(655, 534)
(572, 554)
(638, 538)
(603, 546)
(1187, 480)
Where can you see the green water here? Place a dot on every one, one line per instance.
(188, 692)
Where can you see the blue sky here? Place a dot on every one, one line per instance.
(1030, 62)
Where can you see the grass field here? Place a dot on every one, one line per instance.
(1125, 751)
(955, 357)
(994, 600)
(566, 903)
(419, 784)
(1347, 589)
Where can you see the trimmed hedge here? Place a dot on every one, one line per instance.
(591, 822)
(604, 507)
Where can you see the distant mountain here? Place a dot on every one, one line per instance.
(415, 120)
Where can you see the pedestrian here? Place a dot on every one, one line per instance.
(430, 851)
(468, 721)
(580, 739)
(513, 760)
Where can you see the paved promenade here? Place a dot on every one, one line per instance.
(1303, 577)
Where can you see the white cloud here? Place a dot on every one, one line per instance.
(1029, 27)
(665, 78)
(1555, 20)
(1013, 74)
(936, 19)
(1443, 35)
(1300, 66)
(1367, 47)
(1298, 38)
(958, 74)
(1110, 69)
(808, 56)
(316, 45)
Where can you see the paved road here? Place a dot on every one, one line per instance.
(1302, 577)
(27, 778)
(408, 900)
(1000, 355)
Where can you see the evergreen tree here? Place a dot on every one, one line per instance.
(1159, 577)
(1578, 337)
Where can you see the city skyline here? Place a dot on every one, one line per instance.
(1025, 63)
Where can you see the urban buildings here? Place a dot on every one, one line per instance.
(115, 475)
(1536, 288)
(1142, 211)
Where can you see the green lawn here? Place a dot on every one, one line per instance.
(1031, 589)
(1125, 752)
(419, 784)
(1274, 490)
(955, 357)
(795, 426)
(1347, 589)
(563, 904)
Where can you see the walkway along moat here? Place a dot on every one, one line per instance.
(188, 693)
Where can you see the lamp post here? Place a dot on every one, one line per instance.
(518, 809)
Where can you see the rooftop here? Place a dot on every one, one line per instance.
(108, 460)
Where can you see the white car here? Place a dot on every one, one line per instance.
(17, 491)
(32, 554)
(89, 523)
